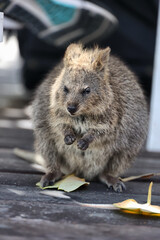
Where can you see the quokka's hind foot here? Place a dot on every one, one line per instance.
(113, 183)
(50, 178)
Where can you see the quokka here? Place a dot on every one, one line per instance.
(90, 117)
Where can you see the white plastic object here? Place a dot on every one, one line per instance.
(1, 26)
(153, 142)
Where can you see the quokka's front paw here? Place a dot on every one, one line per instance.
(82, 144)
(69, 139)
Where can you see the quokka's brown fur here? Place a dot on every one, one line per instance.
(90, 117)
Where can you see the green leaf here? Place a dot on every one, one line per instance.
(67, 184)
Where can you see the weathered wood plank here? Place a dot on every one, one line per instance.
(13, 113)
(9, 162)
(144, 165)
(16, 143)
(70, 212)
(23, 229)
(11, 138)
(19, 179)
(27, 213)
(16, 133)
(31, 194)
(147, 163)
(94, 193)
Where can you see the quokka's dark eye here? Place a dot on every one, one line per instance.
(65, 89)
(86, 91)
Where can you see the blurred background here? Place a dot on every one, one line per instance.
(37, 32)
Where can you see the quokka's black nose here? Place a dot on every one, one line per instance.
(72, 109)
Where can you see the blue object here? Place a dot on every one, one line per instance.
(57, 12)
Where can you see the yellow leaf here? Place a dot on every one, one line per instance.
(149, 193)
(131, 206)
(67, 184)
(47, 187)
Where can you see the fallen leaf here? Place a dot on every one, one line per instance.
(67, 184)
(29, 156)
(56, 194)
(47, 187)
(103, 206)
(131, 206)
(147, 175)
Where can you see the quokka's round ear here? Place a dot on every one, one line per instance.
(73, 51)
(101, 59)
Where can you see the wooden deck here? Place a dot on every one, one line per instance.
(26, 213)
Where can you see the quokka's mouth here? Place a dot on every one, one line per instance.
(73, 114)
(76, 114)
(72, 109)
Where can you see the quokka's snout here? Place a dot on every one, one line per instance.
(72, 108)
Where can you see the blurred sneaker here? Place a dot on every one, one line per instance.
(60, 22)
